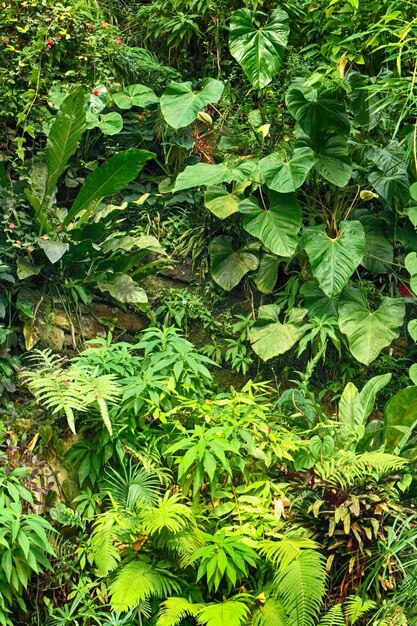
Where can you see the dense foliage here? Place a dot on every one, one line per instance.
(245, 452)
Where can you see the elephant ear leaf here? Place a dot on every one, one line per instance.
(269, 337)
(259, 48)
(180, 104)
(284, 174)
(368, 332)
(334, 259)
(229, 266)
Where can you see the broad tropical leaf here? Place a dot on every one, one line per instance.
(368, 332)
(400, 419)
(229, 266)
(135, 96)
(259, 48)
(122, 287)
(276, 227)
(334, 259)
(266, 275)
(355, 407)
(332, 160)
(220, 202)
(180, 104)
(283, 174)
(66, 131)
(54, 250)
(208, 174)
(109, 179)
(269, 337)
(379, 252)
(318, 304)
(317, 111)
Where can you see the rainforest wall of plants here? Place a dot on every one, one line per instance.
(208, 306)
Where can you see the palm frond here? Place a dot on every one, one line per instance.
(174, 610)
(272, 613)
(138, 581)
(282, 552)
(334, 617)
(181, 545)
(301, 587)
(356, 607)
(132, 487)
(169, 514)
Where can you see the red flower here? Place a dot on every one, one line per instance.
(18, 242)
(51, 42)
(11, 226)
(91, 27)
(119, 41)
(96, 92)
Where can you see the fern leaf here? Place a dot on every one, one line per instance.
(355, 607)
(272, 613)
(105, 554)
(281, 553)
(170, 514)
(351, 469)
(229, 613)
(174, 610)
(334, 617)
(301, 587)
(137, 581)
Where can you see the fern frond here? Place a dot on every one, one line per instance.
(301, 587)
(132, 486)
(228, 613)
(282, 552)
(181, 545)
(355, 607)
(334, 617)
(101, 542)
(272, 613)
(101, 390)
(174, 610)
(137, 581)
(170, 514)
(347, 470)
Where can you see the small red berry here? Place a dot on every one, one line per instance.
(96, 92)
(29, 250)
(119, 41)
(91, 27)
(48, 46)
(5, 43)
(51, 42)
(11, 225)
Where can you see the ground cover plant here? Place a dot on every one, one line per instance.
(208, 313)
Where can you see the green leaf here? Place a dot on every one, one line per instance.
(332, 159)
(180, 105)
(276, 227)
(54, 250)
(269, 337)
(110, 123)
(412, 372)
(135, 96)
(220, 202)
(316, 111)
(334, 259)
(63, 138)
(368, 332)
(259, 48)
(410, 263)
(229, 266)
(379, 252)
(109, 179)
(286, 175)
(122, 288)
(24, 269)
(318, 304)
(393, 186)
(266, 275)
(412, 329)
(400, 419)
(203, 174)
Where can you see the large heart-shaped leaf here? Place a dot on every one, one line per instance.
(367, 331)
(63, 138)
(209, 174)
(108, 123)
(259, 48)
(109, 179)
(318, 304)
(229, 266)
(400, 418)
(276, 227)
(334, 259)
(379, 252)
(54, 250)
(392, 185)
(266, 275)
(180, 105)
(135, 96)
(284, 174)
(332, 160)
(220, 202)
(122, 288)
(317, 110)
(269, 337)
(410, 262)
